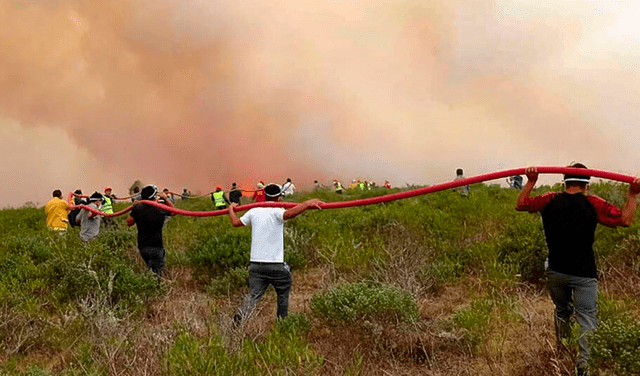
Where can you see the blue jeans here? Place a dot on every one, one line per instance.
(574, 294)
(261, 275)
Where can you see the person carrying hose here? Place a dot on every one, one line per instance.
(219, 199)
(267, 265)
(569, 219)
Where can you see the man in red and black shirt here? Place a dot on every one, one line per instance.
(569, 219)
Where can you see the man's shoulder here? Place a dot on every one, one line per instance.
(265, 210)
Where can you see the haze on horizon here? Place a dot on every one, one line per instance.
(199, 93)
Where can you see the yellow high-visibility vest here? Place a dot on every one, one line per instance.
(108, 206)
(218, 198)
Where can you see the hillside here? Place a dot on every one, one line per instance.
(433, 285)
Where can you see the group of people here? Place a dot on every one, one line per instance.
(222, 200)
(148, 219)
(569, 220)
(355, 183)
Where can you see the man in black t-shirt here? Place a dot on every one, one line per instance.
(150, 221)
(77, 200)
(570, 219)
(235, 194)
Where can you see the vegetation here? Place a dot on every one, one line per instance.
(436, 284)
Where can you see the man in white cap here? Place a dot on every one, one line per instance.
(569, 219)
(267, 265)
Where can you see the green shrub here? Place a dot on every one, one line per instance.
(615, 346)
(220, 252)
(231, 280)
(355, 302)
(98, 270)
(615, 343)
(522, 247)
(475, 321)
(62, 269)
(294, 323)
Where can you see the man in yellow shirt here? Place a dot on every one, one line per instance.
(56, 211)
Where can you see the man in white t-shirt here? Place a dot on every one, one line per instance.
(267, 265)
(288, 188)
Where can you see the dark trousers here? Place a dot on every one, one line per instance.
(154, 258)
(261, 275)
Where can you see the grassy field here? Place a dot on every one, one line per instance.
(435, 285)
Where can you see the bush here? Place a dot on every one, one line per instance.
(522, 247)
(230, 281)
(615, 346)
(353, 303)
(220, 252)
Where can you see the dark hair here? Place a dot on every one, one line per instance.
(459, 171)
(136, 189)
(78, 191)
(57, 193)
(272, 192)
(289, 180)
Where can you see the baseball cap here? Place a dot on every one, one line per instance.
(149, 192)
(576, 178)
(96, 196)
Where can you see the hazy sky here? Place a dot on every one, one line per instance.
(203, 92)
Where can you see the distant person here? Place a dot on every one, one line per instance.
(288, 188)
(235, 194)
(169, 195)
(219, 199)
(258, 195)
(570, 219)
(77, 200)
(267, 265)
(338, 186)
(136, 194)
(150, 220)
(185, 194)
(387, 184)
(515, 182)
(89, 221)
(464, 190)
(56, 211)
(317, 186)
(107, 207)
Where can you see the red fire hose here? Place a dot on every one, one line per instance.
(386, 198)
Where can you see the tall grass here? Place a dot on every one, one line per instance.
(70, 308)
